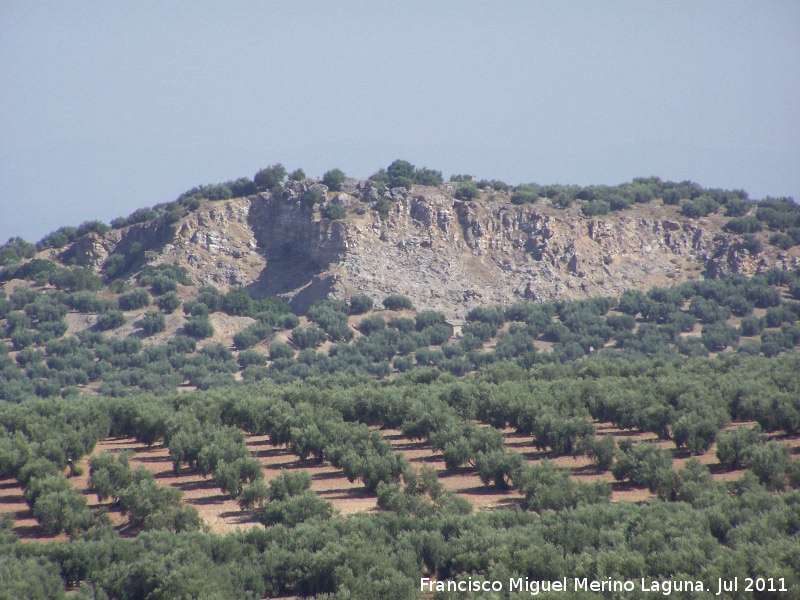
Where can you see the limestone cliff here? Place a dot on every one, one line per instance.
(443, 253)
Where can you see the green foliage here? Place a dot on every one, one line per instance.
(382, 206)
(699, 207)
(599, 449)
(15, 250)
(498, 468)
(211, 297)
(169, 302)
(643, 464)
(153, 322)
(334, 211)
(371, 324)
(772, 464)
(308, 337)
(110, 319)
(237, 302)
(742, 225)
(135, 300)
(333, 179)
(360, 303)
(545, 487)
(734, 447)
(595, 208)
(297, 175)
(269, 177)
(468, 190)
(199, 327)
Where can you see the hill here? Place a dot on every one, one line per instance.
(447, 247)
(301, 391)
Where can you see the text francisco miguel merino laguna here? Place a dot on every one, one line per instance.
(584, 584)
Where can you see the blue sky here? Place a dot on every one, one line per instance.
(108, 107)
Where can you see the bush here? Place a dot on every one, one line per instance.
(699, 207)
(425, 176)
(111, 319)
(782, 241)
(397, 302)
(467, 190)
(600, 450)
(137, 299)
(498, 467)
(334, 211)
(643, 464)
(308, 337)
(371, 324)
(195, 309)
(734, 447)
(280, 350)
(153, 322)
(169, 302)
(199, 327)
(297, 175)
(268, 178)
(360, 303)
(595, 208)
(237, 302)
(752, 244)
(289, 321)
(546, 487)
(333, 179)
(211, 297)
(742, 225)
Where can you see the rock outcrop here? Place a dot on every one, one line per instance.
(445, 254)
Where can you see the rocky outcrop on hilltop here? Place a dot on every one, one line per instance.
(444, 253)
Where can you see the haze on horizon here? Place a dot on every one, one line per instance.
(108, 108)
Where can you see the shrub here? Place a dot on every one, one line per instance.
(334, 211)
(211, 297)
(546, 487)
(752, 244)
(289, 321)
(782, 241)
(642, 463)
(280, 350)
(382, 207)
(372, 324)
(595, 208)
(308, 337)
(297, 175)
(425, 176)
(199, 327)
(360, 303)
(600, 450)
(169, 302)
(734, 447)
(195, 309)
(268, 178)
(137, 299)
(333, 179)
(468, 190)
(699, 207)
(237, 302)
(153, 322)
(742, 225)
(110, 319)
(498, 467)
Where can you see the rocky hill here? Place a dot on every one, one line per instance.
(443, 253)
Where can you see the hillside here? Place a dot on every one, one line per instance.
(299, 392)
(444, 253)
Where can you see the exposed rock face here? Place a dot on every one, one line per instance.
(443, 253)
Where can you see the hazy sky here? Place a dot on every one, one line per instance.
(107, 107)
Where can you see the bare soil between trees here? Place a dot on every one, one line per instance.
(223, 515)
